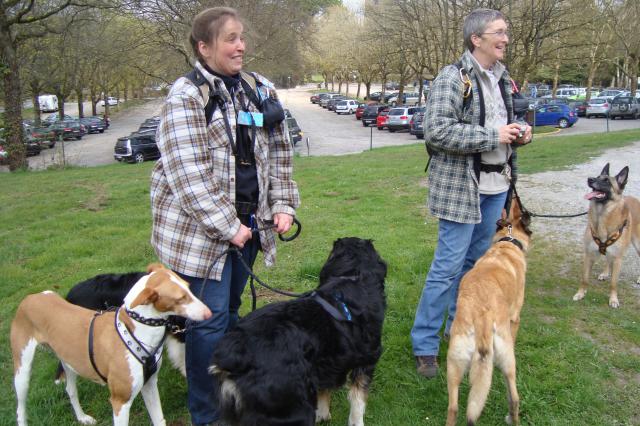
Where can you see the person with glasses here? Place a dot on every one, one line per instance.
(469, 129)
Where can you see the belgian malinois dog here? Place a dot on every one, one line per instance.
(487, 319)
(614, 223)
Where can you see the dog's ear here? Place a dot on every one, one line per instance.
(146, 296)
(154, 267)
(622, 177)
(605, 170)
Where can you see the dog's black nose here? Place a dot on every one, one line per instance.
(590, 181)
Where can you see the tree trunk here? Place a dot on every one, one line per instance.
(80, 103)
(35, 94)
(13, 105)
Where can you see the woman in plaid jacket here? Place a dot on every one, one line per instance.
(469, 173)
(214, 186)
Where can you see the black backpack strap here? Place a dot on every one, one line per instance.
(250, 87)
(215, 99)
(198, 79)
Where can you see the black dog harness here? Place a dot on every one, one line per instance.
(149, 360)
(343, 315)
(603, 245)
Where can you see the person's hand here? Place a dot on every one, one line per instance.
(283, 222)
(508, 133)
(242, 236)
(528, 134)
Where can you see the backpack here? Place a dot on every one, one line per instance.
(271, 109)
(215, 97)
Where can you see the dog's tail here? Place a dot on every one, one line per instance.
(481, 370)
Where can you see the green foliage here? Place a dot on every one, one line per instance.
(577, 362)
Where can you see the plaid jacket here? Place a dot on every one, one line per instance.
(193, 184)
(456, 136)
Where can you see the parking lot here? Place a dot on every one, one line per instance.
(326, 132)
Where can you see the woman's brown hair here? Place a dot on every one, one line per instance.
(207, 24)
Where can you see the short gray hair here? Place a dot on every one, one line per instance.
(476, 22)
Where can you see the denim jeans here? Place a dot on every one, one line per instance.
(459, 246)
(223, 298)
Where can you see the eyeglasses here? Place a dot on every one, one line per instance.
(500, 34)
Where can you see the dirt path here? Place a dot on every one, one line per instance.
(562, 192)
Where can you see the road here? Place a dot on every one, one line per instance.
(326, 132)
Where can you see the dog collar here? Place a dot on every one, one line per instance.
(513, 241)
(153, 322)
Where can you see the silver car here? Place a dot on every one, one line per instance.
(399, 118)
(598, 106)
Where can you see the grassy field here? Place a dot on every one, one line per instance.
(578, 363)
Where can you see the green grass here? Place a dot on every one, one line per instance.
(578, 363)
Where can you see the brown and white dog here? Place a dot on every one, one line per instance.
(487, 319)
(614, 224)
(46, 318)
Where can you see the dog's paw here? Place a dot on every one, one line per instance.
(613, 302)
(603, 276)
(322, 416)
(508, 420)
(86, 419)
(579, 295)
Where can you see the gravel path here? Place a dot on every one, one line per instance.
(562, 192)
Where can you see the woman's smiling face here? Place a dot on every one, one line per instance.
(491, 44)
(225, 54)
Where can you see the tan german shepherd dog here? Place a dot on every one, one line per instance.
(614, 223)
(487, 318)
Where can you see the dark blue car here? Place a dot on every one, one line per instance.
(562, 116)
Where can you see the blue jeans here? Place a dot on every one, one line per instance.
(459, 246)
(223, 298)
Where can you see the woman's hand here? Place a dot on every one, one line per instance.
(283, 222)
(242, 236)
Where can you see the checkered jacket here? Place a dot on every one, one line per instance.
(193, 184)
(456, 136)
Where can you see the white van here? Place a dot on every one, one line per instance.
(48, 103)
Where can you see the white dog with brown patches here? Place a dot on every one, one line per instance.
(105, 348)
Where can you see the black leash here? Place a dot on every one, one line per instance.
(236, 251)
(532, 214)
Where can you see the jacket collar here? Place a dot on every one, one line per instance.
(472, 66)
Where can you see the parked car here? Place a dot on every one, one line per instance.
(568, 93)
(597, 107)
(315, 98)
(407, 99)
(136, 148)
(375, 96)
(93, 125)
(392, 85)
(69, 129)
(581, 108)
(52, 118)
(381, 119)
(31, 145)
(43, 135)
(325, 99)
(555, 115)
(110, 100)
(609, 94)
(399, 118)
(346, 106)
(624, 107)
(370, 114)
(416, 125)
(360, 110)
(331, 103)
(295, 133)
(389, 95)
